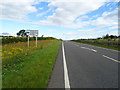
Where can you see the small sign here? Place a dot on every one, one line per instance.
(32, 33)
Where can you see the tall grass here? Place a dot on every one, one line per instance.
(34, 70)
(20, 50)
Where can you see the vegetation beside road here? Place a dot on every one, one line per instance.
(6, 40)
(106, 42)
(28, 67)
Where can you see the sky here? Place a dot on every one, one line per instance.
(65, 19)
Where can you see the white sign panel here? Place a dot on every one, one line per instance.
(33, 33)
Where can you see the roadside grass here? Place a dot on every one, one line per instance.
(34, 70)
(13, 49)
(104, 46)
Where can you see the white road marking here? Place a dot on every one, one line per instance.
(85, 48)
(111, 59)
(66, 78)
(90, 49)
(102, 48)
(94, 50)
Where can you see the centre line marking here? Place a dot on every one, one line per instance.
(85, 48)
(94, 50)
(89, 49)
(66, 78)
(111, 59)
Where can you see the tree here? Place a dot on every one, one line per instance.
(99, 38)
(42, 35)
(113, 37)
(119, 37)
(22, 33)
(106, 36)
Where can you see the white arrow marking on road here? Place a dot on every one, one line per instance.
(66, 78)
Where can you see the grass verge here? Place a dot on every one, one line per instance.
(34, 72)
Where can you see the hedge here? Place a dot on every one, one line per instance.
(6, 40)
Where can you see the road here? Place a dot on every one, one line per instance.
(85, 66)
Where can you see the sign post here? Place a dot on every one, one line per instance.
(33, 33)
(28, 38)
(28, 41)
(36, 40)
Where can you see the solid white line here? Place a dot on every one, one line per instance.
(111, 59)
(66, 78)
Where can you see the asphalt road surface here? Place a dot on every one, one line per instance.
(85, 66)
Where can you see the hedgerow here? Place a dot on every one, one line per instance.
(105, 42)
(6, 40)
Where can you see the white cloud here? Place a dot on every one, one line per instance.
(67, 12)
(16, 9)
(114, 27)
(70, 33)
(113, 33)
(86, 33)
(44, 13)
(107, 19)
(64, 15)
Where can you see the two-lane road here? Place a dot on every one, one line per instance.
(85, 66)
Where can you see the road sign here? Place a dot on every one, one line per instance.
(32, 33)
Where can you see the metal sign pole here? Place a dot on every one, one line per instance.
(36, 40)
(28, 40)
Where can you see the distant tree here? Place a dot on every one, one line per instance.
(106, 36)
(42, 35)
(113, 37)
(60, 39)
(99, 38)
(22, 33)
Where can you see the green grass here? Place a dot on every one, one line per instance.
(104, 46)
(35, 71)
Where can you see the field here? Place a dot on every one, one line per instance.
(24, 67)
(106, 43)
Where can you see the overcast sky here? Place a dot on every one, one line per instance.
(66, 19)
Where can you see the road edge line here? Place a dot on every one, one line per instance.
(66, 78)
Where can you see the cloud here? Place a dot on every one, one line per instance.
(114, 27)
(107, 19)
(44, 13)
(70, 33)
(16, 9)
(68, 12)
(113, 33)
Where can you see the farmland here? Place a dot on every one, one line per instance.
(28, 67)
